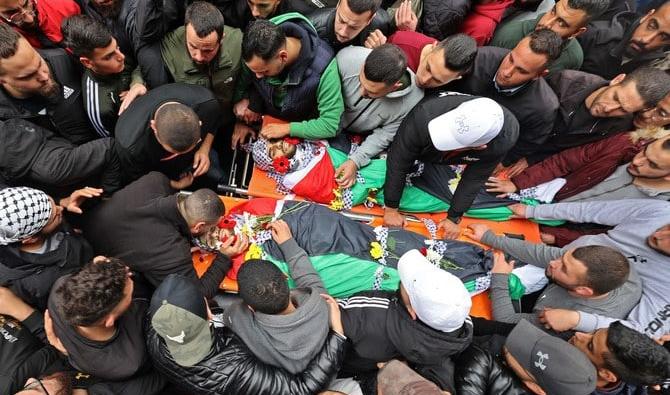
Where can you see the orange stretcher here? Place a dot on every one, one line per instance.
(481, 305)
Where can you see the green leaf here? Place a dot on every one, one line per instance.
(390, 243)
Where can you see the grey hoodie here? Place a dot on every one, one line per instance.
(381, 116)
(288, 341)
(634, 221)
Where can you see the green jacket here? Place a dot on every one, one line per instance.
(509, 34)
(219, 76)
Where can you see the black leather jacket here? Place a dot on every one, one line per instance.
(479, 373)
(324, 23)
(230, 368)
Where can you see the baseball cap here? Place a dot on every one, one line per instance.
(439, 298)
(179, 315)
(559, 367)
(471, 124)
(396, 378)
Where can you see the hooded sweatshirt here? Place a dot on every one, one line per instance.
(634, 221)
(379, 117)
(292, 340)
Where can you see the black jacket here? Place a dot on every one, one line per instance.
(25, 353)
(136, 146)
(30, 276)
(442, 18)
(534, 105)
(479, 373)
(412, 142)
(64, 113)
(237, 14)
(230, 368)
(324, 22)
(379, 328)
(604, 44)
(574, 123)
(141, 225)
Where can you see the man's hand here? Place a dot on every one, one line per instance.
(476, 231)
(234, 246)
(451, 230)
(405, 18)
(335, 316)
(276, 130)
(51, 335)
(201, 161)
(517, 168)
(500, 265)
(375, 39)
(13, 306)
(280, 231)
(243, 113)
(240, 134)
(559, 320)
(345, 175)
(128, 96)
(497, 185)
(76, 198)
(518, 210)
(184, 181)
(393, 218)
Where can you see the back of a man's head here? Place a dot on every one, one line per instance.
(546, 42)
(83, 34)
(91, 294)
(9, 43)
(460, 51)
(386, 63)
(592, 8)
(634, 357)
(203, 205)
(651, 84)
(177, 126)
(359, 7)
(606, 268)
(205, 18)
(263, 39)
(263, 287)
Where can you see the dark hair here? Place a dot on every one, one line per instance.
(64, 379)
(83, 34)
(203, 205)
(606, 268)
(460, 51)
(263, 286)
(178, 126)
(9, 42)
(652, 84)
(205, 19)
(546, 42)
(263, 39)
(89, 295)
(592, 8)
(634, 357)
(386, 63)
(359, 7)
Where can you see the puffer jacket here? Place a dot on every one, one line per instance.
(479, 373)
(324, 23)
(442, 18)
(230, 368)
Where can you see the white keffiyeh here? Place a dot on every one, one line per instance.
(23, 213)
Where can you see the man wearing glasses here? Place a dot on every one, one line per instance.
(38, 21)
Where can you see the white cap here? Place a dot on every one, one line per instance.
(471, 124)
(438, 297)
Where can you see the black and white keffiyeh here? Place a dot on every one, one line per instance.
(23, 213)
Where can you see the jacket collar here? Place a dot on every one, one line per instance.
(308, 46)
(167, 208)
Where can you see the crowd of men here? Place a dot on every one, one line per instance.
(110, 108)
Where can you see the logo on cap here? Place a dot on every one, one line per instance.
(179, 339)
(540, 360)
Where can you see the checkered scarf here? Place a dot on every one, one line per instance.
(23, 212)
